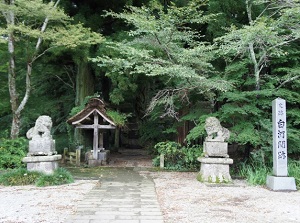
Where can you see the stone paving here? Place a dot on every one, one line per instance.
(121, 196)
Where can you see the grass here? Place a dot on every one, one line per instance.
(257, 175)
(294, 171)
(21, 177)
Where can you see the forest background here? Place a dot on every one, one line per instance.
(165, 65)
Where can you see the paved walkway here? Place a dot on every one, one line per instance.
(121, 196)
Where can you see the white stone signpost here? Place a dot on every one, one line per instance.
(280, 179)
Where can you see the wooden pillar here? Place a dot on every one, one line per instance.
(96, 134)
(101, 146)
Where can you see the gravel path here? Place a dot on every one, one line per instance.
(30, 204)
(182, 199)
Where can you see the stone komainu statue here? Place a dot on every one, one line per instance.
(42, 128)
(215, 132)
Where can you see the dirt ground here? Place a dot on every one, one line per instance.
(182, 198)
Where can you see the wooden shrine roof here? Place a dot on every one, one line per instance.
(86, 115)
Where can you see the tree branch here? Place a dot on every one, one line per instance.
(287, 81)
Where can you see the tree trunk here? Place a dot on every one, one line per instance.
(15, 127)
(255, 66)
(84, 82)
(14, 96)
(84, 87)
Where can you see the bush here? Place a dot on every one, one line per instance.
(177, 157)
(19, 177)
(12, 151)
(60, 176)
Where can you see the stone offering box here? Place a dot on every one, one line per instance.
(215, 149)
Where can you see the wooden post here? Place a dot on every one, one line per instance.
(117, 138)
(95, 140)
(162, 161)
(78, 153)
(101, 146)
(64, 160)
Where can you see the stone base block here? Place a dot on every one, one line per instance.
(103, 157)
(215, 170)
(281, 183)
(42, 147)
(215, 149)
(45, 164)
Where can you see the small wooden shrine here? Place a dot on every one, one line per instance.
(94, 116)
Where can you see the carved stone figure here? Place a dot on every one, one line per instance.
(41, 155)
(41, 129)
(215, 132)
(41, 142)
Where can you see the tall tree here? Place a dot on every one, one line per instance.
(252, 53)
(162, 45)
(27, 24)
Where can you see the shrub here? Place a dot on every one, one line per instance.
(19, 177)
(12, 151)
(177, 157)
(60, 176)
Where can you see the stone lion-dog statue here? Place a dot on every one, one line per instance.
(215, 132)
(42, 128)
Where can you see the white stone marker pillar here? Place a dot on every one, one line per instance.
(280, 179)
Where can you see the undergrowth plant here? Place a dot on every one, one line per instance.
(12, 151)
(60, 176)
(294, 171)
(177, 157)
(256, 173)
(21, 176)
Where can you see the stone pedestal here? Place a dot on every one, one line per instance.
(281, 183)
(45, 164)
(215, 149)
(215, 170)
(102, 158)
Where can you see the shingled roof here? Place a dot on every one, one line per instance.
(86, 115)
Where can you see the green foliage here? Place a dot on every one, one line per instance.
(59, 177)
(12, 151)
(118, 118)
(19, 177)
(177, 157)
(294, 171)
(163, 46)
(22, 177)
(255, 175)
(80, 107)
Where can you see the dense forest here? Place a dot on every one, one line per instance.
(164, 65)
